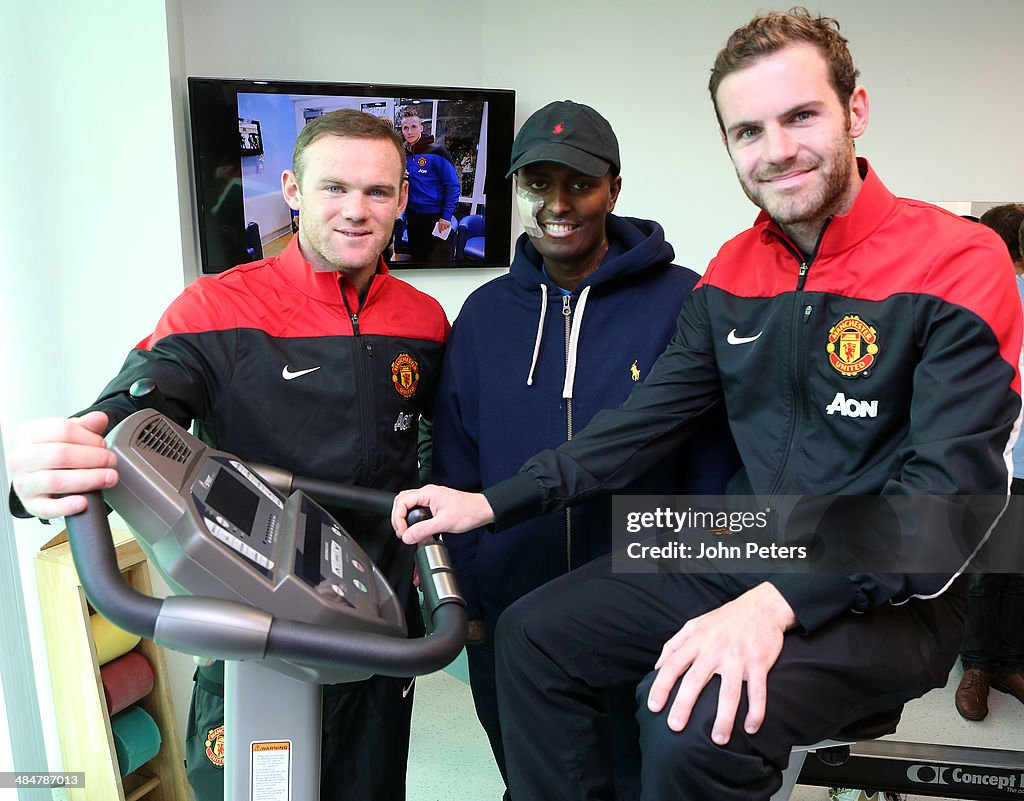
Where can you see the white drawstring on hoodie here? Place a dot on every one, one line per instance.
(574, 339)
(540, 332)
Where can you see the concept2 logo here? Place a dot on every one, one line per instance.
(938, 774)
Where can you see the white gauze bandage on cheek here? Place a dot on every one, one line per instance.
(528, 204)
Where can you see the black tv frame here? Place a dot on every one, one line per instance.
(219, 157)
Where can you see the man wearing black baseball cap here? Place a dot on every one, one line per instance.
(567, 133)
(590, 301)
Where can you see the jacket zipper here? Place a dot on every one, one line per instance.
(364, 389)
(798, 348)
(567, 314)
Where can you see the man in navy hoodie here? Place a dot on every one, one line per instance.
(590, 302)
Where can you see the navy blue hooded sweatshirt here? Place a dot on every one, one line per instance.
(526, 367)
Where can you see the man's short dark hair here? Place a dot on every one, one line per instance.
(1006, 221)
(771, 32)
(346, 123)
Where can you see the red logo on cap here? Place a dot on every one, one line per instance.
(558, 128)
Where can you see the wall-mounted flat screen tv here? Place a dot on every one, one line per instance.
(458, 143)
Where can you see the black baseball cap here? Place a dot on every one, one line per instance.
(567, 133)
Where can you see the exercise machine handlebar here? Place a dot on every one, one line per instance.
(197, 624)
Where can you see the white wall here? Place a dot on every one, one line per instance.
(96, 226)
(91, 232)
(6, 755)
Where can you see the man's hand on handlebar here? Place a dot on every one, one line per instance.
(54, 459)
(453, 512)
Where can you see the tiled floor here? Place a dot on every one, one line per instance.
(450, 759)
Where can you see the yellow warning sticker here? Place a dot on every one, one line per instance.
(270, 765)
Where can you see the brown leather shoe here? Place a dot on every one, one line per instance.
(971, 697)
(1012, 684)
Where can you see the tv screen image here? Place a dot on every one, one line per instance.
(243, 133)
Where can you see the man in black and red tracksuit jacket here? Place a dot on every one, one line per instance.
(862, 345)
(317, 361)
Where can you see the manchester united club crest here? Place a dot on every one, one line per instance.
(405, 374)
(421, 161)
(215, 746)
(852, 346)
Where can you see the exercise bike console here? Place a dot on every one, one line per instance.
(261, 576)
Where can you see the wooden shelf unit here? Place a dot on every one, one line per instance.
(86, 740)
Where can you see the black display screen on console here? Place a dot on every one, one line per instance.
(234, 500)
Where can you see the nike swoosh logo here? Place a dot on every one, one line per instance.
(732, 339)
(407, 690)
(288, 375)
